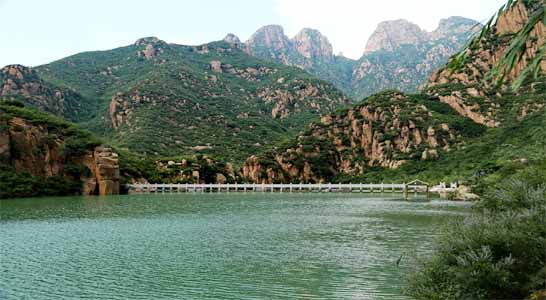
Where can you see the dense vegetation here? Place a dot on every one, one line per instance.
(499, 252)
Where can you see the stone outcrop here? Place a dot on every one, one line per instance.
(151, 47)
(104, 167)
(287, 101)
(467, 88)
(387, 130)
(42, 151)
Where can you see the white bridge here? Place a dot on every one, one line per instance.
(414, 187)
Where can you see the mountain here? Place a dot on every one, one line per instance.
(20, 83)
(440, 134)
(399, 54)
(165, 99)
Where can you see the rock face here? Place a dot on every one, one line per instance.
(390, 35)
(44, 150)
(105, 169)
(311, 44)
(466, 90)
(386, 130)
(398, 55)
(23, 84)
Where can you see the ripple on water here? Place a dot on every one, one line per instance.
(213, 246)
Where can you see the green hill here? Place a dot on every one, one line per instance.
(165, 99)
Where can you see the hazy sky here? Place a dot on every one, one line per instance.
(35, 32)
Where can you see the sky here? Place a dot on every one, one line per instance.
(35, 32)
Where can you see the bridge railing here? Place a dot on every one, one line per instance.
(285, 187)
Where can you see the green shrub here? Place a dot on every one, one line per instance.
(23, 184)
(499, 252)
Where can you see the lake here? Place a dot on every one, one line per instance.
(214, 246)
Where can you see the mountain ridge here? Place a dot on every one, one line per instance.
(397, 51)
(209, 99)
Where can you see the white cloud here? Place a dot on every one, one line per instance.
(349, 23)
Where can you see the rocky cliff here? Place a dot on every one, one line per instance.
(473, 93)
(23, 84)
(44, 147)
(401, 55)
(385, 130)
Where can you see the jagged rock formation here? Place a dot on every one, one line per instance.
(46, 147)
(467, 90)
(308, 48)
(385, 130)
(398, 55)
(21, 83)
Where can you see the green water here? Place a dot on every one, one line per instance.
(213, 246)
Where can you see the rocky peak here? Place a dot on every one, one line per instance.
(152, 47)
(454, 26)
(270, 36)
(313, 45)
(389, 35)
(17, 72)
(232, 39)
(148, 40)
